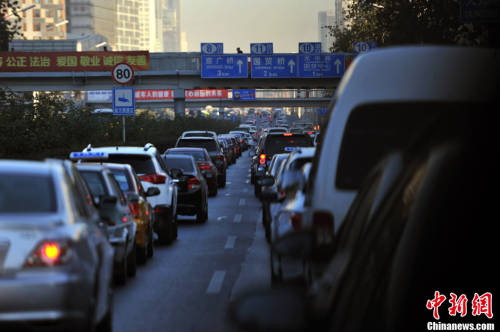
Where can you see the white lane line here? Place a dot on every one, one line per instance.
(227, 194)
(242, 202)
(247, 181)
(231, 239)
(228, 182)
(215, 284)
(245, 190)
(221, 218)
(237, 218)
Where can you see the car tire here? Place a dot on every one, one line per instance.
(202, 214)
(224, 180)
(214, 191)
(276, 277)
(142, 254)
(132, 262)
(121, 273)
(106, 323)
(175, 229)
(256, 190)
(150, 245)
(167, 231)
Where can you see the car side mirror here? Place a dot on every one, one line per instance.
(133, 197)
(176, 173)
(152, 191)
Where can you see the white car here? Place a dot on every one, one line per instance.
(149, 166)
(384, 98)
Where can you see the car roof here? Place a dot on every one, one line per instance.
(198, 138)
(26, 166)
(186, 149)
(124, 150)
(178, 156)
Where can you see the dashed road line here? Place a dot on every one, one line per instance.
(242, 202)
(237, 218)
(216, 282)
(231, 239)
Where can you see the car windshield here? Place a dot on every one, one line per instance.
(281, 143)
(142, 164)
(26, 193)
(121, 177)
(208, 144)
(185, 164)
(95, 182)
(197, 155)
(198, 134)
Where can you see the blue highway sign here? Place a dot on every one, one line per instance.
(309, 48)
(321, 65)
(274, 66)
(244, 94)
(224, 66)
(212, 48)
(261, 48)
(124, 101)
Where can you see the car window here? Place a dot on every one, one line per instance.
(142, 164)
(198, 135)
(210, 145)
(197, 155)
(123, 180)
(281, 143)
(185, 164)
(115, 187)
(26, 193)
(95, 182)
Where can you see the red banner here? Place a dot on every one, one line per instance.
(71, 61)
(206, 94)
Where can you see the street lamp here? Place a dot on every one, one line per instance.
(58, 24)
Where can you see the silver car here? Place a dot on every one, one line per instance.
(55, 259)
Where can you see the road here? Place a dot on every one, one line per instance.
(188, 284)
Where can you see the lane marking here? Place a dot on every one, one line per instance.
(242, 202)
(215, 284)
(231, 239)
(245, 190)
(237, 218)
(227, 194)
(221, 218)
(247, 181)
(228, 182)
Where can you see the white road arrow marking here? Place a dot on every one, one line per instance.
(291, 64)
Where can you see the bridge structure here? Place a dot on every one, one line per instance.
(176, 71)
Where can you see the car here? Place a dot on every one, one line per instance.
(204, 162)
(56, 264)
(226, 148)
(214, 150)
(149, 167)
(193, 189)
(274, 143)
(364, 126)
(114, 210)
(199, 133)
(278, 130)
(141, 210)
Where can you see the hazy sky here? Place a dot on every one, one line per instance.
(237, 23)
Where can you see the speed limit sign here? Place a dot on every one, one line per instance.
(123, 73)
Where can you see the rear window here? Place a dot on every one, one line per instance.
(198, 135)
(282, 144)
(183, 163)
(375, 130)
(122, 179)
(22, 193)
(197, 155)
(142, 164)
(210, 145)
(95, 182)
(277, 130)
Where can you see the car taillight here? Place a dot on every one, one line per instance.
(193, 183)
(287, 134)
(220, 157)
(262, 159)
(310, 132)
(205, 166)
(296, 220)
(323, 225)
(153, 178)
(134, 209)
(48, 254)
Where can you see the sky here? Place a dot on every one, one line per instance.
(237, 23)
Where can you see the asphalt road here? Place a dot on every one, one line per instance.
(188, 284)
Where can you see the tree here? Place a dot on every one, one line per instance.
(399, 22)
(10, 22)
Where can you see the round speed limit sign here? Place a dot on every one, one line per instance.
(123, 73)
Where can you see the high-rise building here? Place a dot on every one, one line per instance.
(47, 20)
(326, 19)
(87, 17)
(172, 26)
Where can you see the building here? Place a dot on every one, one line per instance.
(47, 20)
(81, 44)
(171, 27)
(89, 17)
(326, 19)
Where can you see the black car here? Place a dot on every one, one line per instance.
(214, 150)
(193, 190)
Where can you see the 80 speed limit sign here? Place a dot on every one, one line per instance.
(123, 73)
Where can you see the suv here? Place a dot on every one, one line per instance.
(199, 133)
(149, 166)
(214, 150)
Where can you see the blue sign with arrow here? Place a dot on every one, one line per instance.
(274, 66)
(224, 66)
(321, 65)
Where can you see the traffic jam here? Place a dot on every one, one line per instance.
(379, 219)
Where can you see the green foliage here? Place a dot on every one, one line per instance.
(399, 22)
(10, 22)
(49, 125)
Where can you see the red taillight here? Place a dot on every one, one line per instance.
(205, 166)
(287, 134)
(310, 132)
(262, 159)
(220, 157)
(193, 183)
(50, 253)
(134, 209)
(154, 178)
(296, 220)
